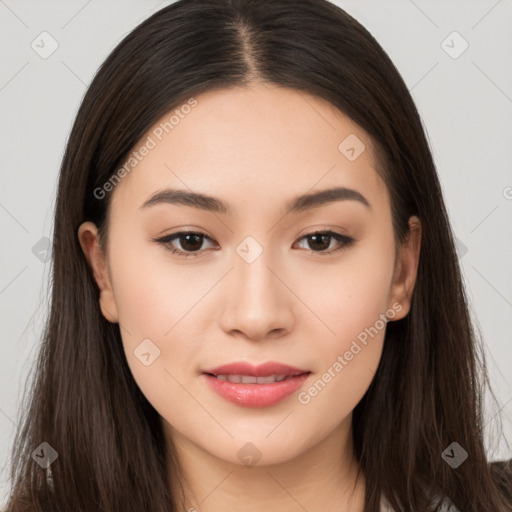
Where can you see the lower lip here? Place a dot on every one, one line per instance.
(256, 395)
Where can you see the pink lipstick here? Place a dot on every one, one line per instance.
(255, 386)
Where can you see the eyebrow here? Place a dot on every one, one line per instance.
(296, 205)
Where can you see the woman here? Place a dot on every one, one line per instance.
(257, 302)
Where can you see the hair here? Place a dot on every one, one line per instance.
(429, 387)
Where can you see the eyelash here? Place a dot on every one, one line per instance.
(166, 241)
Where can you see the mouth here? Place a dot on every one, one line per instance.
(255, 386)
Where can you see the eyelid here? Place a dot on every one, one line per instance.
(345, 240)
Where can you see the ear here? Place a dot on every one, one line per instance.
(89, 240)
(406, 268)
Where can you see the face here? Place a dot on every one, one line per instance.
(253, 283)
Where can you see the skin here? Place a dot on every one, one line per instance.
(255, 148)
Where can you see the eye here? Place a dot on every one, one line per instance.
(321, 240)
(190, 241)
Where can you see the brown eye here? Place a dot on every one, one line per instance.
(189, 241)
(320, 241)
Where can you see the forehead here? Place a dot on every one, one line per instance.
(250, 145)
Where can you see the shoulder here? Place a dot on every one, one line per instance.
(501, 472)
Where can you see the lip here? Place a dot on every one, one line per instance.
(256, 395)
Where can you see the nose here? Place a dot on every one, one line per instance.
(258, 304)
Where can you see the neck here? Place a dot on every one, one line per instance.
(322, 478)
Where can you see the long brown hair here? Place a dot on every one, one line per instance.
(428, 389)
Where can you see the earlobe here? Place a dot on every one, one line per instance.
(90, 243)
(406, 269)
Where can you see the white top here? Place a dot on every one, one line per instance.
(445, 506)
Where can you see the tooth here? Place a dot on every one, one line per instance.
(266, 380)
(250, 379)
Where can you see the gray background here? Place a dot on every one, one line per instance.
(465, 101)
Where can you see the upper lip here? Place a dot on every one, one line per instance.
(261, 370)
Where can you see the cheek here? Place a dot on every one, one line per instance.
(352, 303)
(348, 358)
(151, 292)
(352, 295)
(332, 394)
(153, 298)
